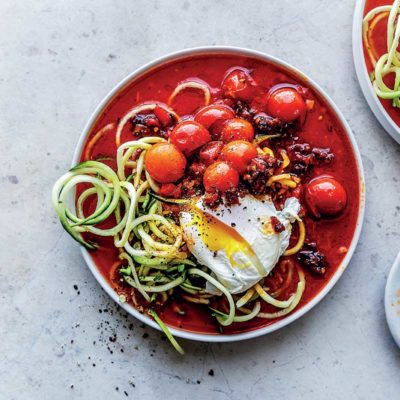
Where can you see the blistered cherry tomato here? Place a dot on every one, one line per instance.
(165, 162)
(220, 176)
(239, 153)
(210, 152)
(325, 196)
(237, 129)
(238, 84)
(208, 116)
(188, 136)
(286, 103)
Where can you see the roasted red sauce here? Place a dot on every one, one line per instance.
(317, 137)
(378, 39)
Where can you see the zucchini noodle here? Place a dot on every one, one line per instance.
(89, 146)
(300, 241)
(246, 298)
(166, 331)
(277, 178)
(198, 85)
(288, 183)
(285, 159)
(270, 300)
(249, 314)
(284, 179)
(268, 151)
(223, 321)
(262, 138)
(108, 192)
(288, 279)
(158, 288)
(138, 286)
(296, 299)
(197, 300)
(388, 63)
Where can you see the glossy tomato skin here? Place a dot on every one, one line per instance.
(238, 84)
(239, 153)
(165, 163)
(237, 129)
(163, 116)
(325, 196)
(211, 151)
(213, 117)
(220, 176)
(188, 136)
(287, 104)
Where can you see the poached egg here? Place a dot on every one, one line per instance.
(239, 243)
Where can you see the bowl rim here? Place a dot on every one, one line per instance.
(363, 78)
(393, 320)
(230, 50)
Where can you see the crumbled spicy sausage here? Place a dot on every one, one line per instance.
(193, 182)
(147, 125)
(196, 170)
(304, 157)
(243, 110)
(324, 155)
(212, 199)
(312, 259)
(258, 172)
(231, 197)
(266, 125)
(191, 187)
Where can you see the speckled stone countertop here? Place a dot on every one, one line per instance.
(60, 335)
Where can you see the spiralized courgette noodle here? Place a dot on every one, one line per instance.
(194, 85)
(153, 258)
(388, 63)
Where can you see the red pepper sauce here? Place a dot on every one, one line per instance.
(378, 39)
(320, 129)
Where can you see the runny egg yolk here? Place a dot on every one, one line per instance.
(218, 236)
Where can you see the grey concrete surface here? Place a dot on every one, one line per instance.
(57, 61)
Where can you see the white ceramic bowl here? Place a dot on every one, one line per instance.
(392, 300)
(295, 315)
(363, 78)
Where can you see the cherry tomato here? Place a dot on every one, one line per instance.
(208, 116)
(287, 104)
(239, 153)
(165, 163)
(325, 196)
(220, 176)
(188, 136)
(237, 129)
(210, 152)
(238, 84)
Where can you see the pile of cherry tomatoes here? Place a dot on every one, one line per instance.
(224, 143)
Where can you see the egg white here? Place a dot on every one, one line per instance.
(238, 243)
